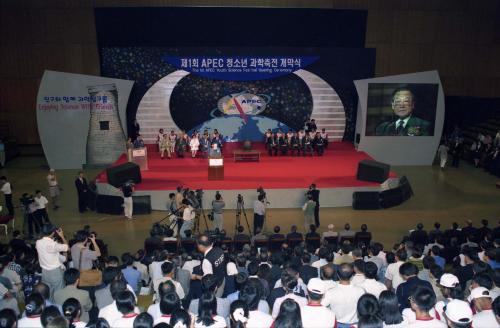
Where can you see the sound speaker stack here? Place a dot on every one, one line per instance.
(373, 171)
(366, 200)
(118, 175)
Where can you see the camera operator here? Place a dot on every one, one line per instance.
(81, 254)
(128, 203)
(259, 210)
(171, 203)
(179, 196)
(217, 211)
(193, 199)
(188, 216)
(41, 204)
(30, 217)
(51, 262)
(315, 197)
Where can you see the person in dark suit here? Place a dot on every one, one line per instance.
(136, 128)
(315, 197)
(409, 272)
(306, 271)
(405, 123)
(419, 236)
(456, 152)
(276, 235)
(293, 233)
(82, 189)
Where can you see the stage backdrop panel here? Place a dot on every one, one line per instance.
(240, 91)
(400, 117)
(81, 119)
(133, 44)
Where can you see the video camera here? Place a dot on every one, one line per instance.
(26, 200)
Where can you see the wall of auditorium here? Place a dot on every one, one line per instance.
(459, 38)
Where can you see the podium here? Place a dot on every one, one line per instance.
(140, 157)
(215, 168)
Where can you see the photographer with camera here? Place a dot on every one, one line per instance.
(49, 248)
(83, 257)
(259, 210)
(31, 220)
(217, 211)
(188, 216)
(41, 204)
(128, 203)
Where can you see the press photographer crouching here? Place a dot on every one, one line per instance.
(217, 211)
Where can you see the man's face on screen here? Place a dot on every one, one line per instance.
(402, 104)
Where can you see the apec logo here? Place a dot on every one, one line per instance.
(242, 104)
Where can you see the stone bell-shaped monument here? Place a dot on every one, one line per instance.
(106, 139)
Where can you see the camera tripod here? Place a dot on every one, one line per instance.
(200, 212)
(240, 208)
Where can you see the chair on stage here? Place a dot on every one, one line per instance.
(314, 241)
(171, 246)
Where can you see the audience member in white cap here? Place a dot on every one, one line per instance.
(451, 289)
(482, 302)
(315, 315)
(458, 314)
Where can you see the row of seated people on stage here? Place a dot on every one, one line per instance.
(296, 143)
(349, 285)
(179, 143)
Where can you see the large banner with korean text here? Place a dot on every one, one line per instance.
(241, 92)
(81, 119)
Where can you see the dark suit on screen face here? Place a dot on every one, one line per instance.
(414, 127)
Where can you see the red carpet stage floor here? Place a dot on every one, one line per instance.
(335, 169)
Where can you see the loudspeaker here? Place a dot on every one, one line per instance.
(391, 197)
(373, 171)
(365, 200)
(109, 204)
(142, 204)
(407, 191)
(118, 175)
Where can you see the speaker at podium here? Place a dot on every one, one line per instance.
(216, 168)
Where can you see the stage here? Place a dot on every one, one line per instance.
(285, 178)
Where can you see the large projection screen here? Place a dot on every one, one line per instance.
(400, 118)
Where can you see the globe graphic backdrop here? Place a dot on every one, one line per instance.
(233, 128)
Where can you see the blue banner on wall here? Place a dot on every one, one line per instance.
(241, 68)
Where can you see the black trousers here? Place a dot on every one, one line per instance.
(455, 161)
(82, 202)
(34, 222)
(8, 204)
(258, 223)
(316, 214)
(42, 215)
